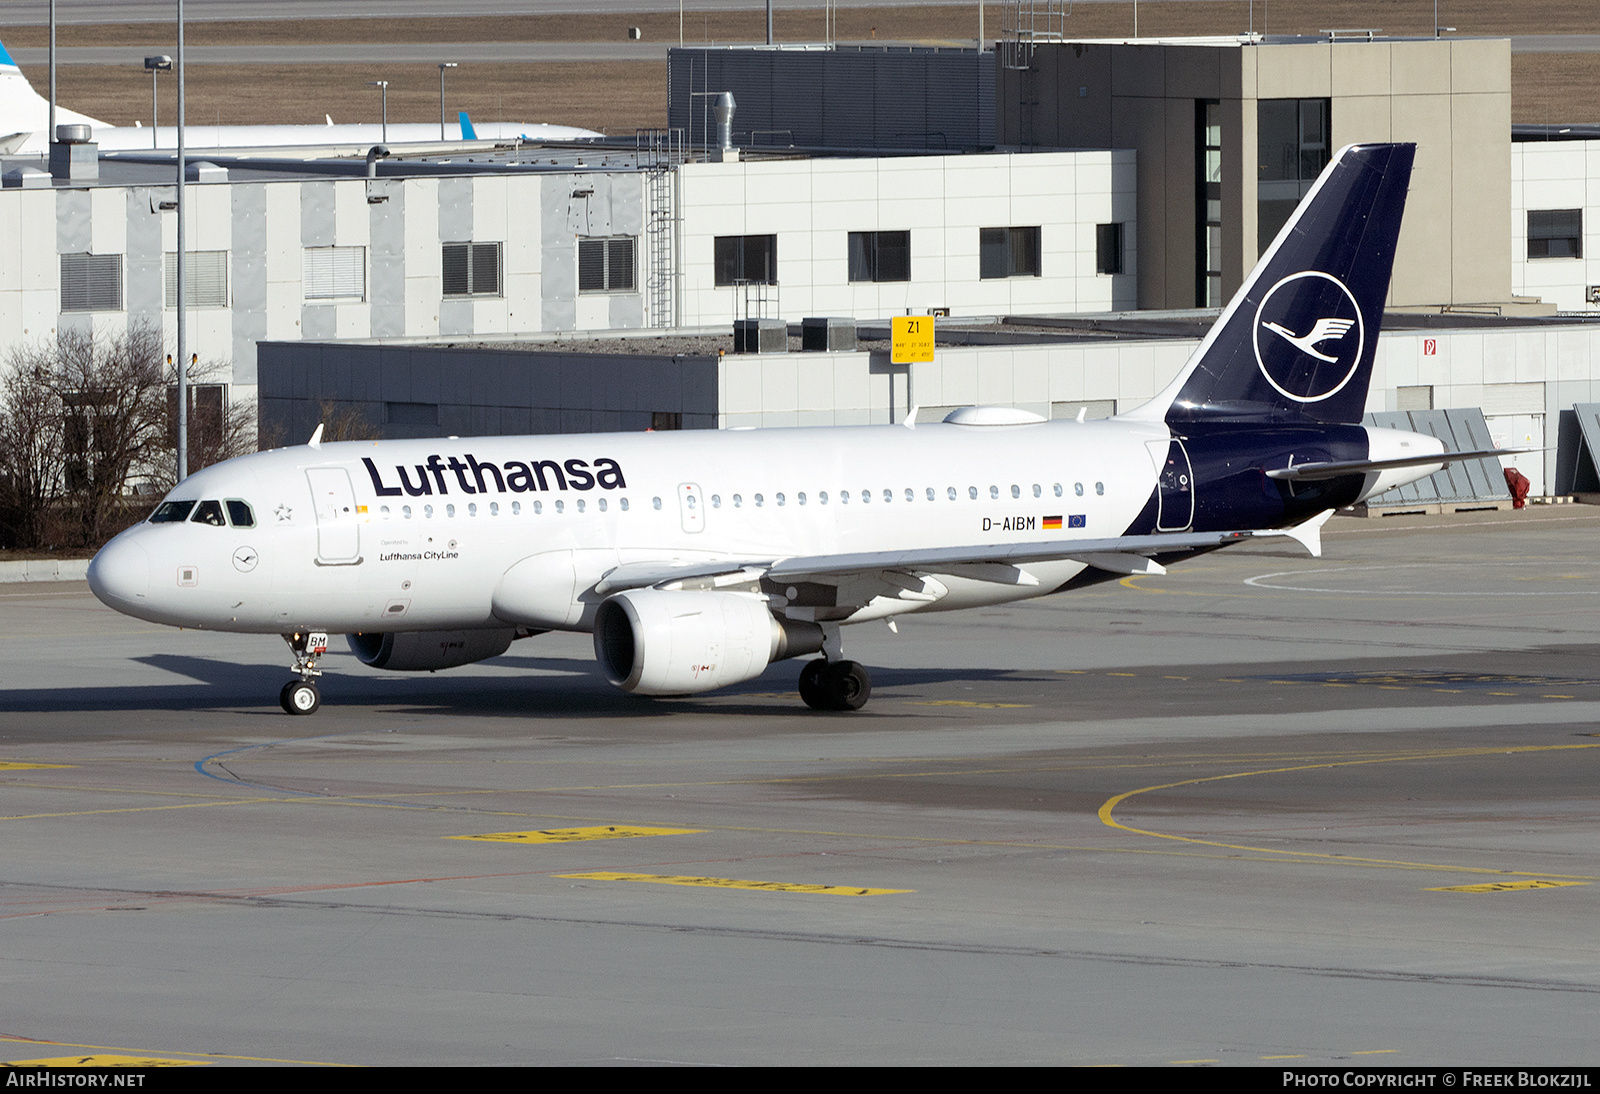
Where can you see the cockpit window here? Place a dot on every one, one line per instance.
(209, 512)
(239, 513)
(171, 511)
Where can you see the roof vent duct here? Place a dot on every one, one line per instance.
(725, 152)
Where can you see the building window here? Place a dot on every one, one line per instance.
(746, 259)
(205, 274)
(336, 273)
(1552, 233)
(1108, 248)
(880, 256)
(1292, 149)
(91, 282)
(1208, 204)
(472, 269)
(1008, 252)
(605, 265)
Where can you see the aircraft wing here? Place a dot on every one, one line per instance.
(1000, 562)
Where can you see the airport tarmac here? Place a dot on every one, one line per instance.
(1267, 809)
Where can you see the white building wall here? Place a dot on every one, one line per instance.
(943, 201)
(1556, 175)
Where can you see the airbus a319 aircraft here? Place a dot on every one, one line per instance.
(698, 558)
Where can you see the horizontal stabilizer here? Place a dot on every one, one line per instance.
(1311, 472)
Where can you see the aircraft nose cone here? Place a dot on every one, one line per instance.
(120, 574)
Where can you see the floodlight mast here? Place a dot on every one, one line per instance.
(442, 67)
(183, 347)
(153, 65)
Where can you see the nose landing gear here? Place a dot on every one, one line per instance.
(301, 696)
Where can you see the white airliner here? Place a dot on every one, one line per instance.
(698, 558)
(25, 117)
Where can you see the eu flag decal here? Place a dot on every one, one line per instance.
(1077, 520)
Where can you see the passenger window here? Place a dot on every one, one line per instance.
(516, 508)
(888, 495)
(716, 501)
(450, 510)
(930, 494)
(602, 505)
(952, 493)
(581, 506)
(1077, 488)
(1038, 491)
(240, 515)
(972, 492)
(624, 503)
(822, 498)
(1099, 488)
(1016, 491)
(209, 512)
(994, 493)
(866, 496)
(472, 508)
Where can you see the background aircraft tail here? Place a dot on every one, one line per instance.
(1297, 341)
(25, 114)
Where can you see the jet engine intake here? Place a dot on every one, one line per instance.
(664, 642)
(429, 651)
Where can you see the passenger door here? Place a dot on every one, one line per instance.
(338, 523)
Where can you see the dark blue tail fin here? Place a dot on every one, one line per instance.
(1297, 340)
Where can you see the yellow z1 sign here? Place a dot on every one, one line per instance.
(912, 339)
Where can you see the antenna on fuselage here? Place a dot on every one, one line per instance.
(316, 438)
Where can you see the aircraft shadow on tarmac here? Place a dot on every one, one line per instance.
(569, 688)
(574, 687)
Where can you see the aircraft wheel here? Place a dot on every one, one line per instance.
(846, 685)
(300, 697)
(811, 689)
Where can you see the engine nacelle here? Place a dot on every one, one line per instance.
(428, 651)
(661, 642)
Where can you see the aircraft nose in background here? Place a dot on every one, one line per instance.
(119, 574)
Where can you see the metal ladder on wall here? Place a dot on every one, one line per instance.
(1024, 25)
(659, 152)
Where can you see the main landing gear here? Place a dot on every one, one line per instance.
(835, 685)
(301, 696)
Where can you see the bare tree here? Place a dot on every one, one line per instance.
(343, 422)
(112, 392)
(32, 453)
(85, 418)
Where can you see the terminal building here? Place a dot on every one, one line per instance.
(1077, 211)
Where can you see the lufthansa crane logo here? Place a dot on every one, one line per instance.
(1309, 336)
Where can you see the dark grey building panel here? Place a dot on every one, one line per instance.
(479, 391)
(846, 97)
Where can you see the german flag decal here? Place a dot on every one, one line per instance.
(1052, 522)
